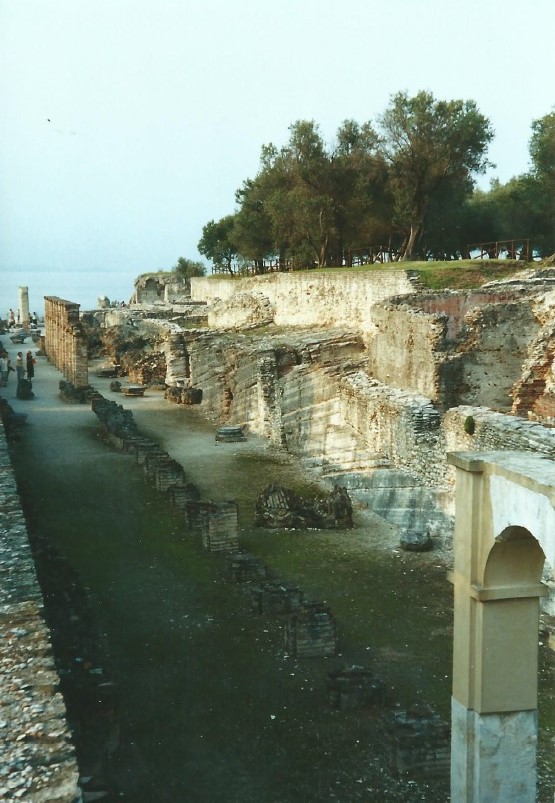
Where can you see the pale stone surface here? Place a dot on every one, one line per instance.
(242, 311)
(24, 306)
(338, 298)
(493, 756)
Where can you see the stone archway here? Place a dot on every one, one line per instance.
(504, 531)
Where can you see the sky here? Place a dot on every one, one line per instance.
(127, 125)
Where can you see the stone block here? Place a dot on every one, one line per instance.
(168, 475)
(354, 687)
(230, 434)
(311, 632)
(276, 598)
(243, 567)
(181, 494)
(146, 448)
(415, 541)
(419, 743)
(154, 461)
(219, 527)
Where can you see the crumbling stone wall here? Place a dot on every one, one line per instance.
(534, 393)
(399, 428)
(37, 758)
(466, 349)
(493, 347)
(65, 341)
(407, 347)
(242, 311)
(335, 299)
(237, 382)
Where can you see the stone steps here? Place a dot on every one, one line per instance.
(397, 497)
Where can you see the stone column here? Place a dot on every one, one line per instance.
(24, 307)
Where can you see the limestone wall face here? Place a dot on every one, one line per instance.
(335, 299)
(241, 311)
(492, 350)
(454, 348)
(407, 348)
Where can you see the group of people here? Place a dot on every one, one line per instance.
(14, 320)
(24, 367)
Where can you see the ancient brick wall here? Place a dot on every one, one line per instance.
(65, 341)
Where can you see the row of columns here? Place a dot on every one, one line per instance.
(65, 342)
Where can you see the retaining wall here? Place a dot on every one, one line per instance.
(37, 758)
(340, 298)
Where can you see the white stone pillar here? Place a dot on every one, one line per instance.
(493, 756)
(24, 307)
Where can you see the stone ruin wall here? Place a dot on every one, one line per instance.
(160, 288)
(406, 349)
(386, 402)
(335, 299)
(65, 342)
(413, 348)
(452, 347)
(288, 394)
(37, 758)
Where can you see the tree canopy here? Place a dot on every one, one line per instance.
(402, 187)
(432, 147)
(188, 267)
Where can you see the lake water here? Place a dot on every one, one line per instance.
(83, 287)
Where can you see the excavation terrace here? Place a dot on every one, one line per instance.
(246, 487)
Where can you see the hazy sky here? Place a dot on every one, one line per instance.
(126, 125)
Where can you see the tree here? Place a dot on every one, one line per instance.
(542, 152)
(253, 226)
(187, 268)
(432, 148)
(524, 207)
(362, 204)
(542, 147)
(218, 242)
(299, 203)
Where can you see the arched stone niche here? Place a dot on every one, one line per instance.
(504, 532)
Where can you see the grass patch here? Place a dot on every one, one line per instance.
(462, 274)
(465, 274)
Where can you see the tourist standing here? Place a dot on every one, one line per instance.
(19, 367)
(30, 360)
(4, 365)
(11, 318)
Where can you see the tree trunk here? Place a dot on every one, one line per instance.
(413, 236)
